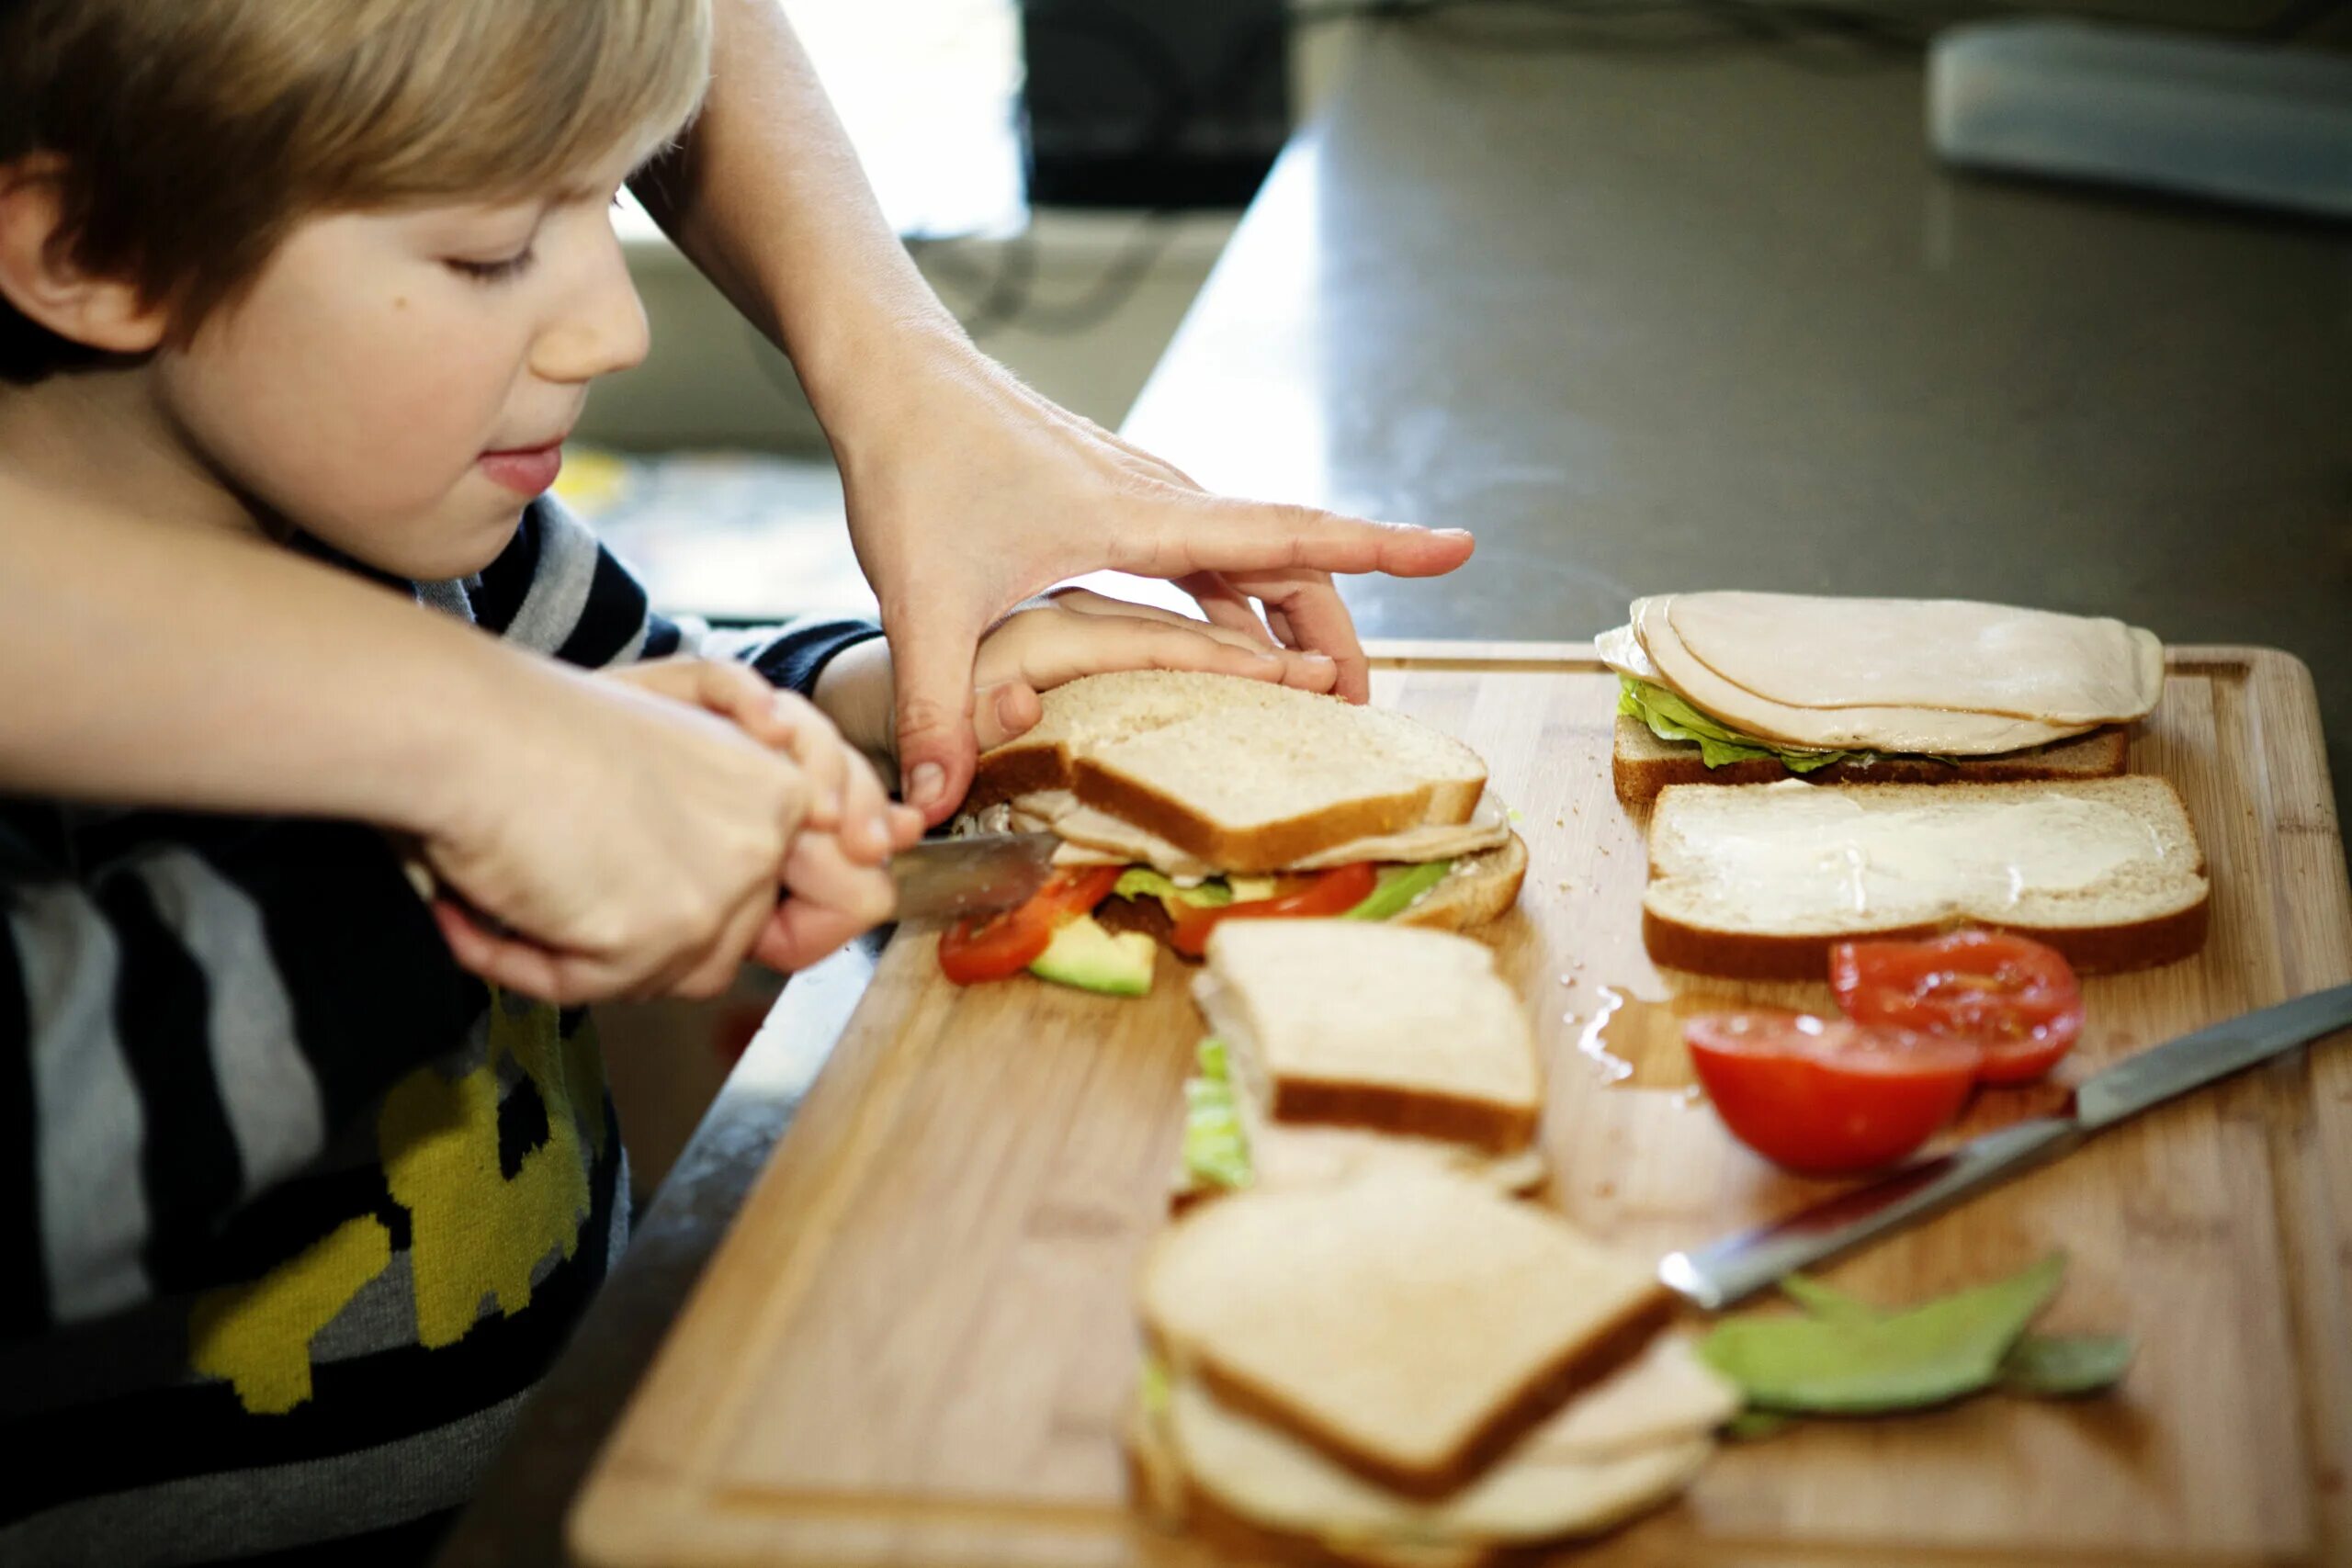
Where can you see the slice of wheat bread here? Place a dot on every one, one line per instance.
(1238, 774)
(1642, 764)
(1759, 881)
(1360, 1023)
(1412, 1324)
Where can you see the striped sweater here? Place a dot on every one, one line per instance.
(293, 1212)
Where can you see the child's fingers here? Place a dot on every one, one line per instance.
(800, 934)
(822, 872)
(865, 830)
(1226, 605)
(1005, 711)
(1137, 642)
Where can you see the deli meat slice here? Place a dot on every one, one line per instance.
(1948, 654)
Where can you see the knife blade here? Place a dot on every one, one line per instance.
(945, 878)
(1724, 1271)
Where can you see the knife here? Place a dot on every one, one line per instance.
(944, 878)
(1716, 1275)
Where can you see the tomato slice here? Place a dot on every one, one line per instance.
(1828, 1096)
(2016, 998)
(1333, 892)
(989, 947)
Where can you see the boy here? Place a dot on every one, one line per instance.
(292, 1211)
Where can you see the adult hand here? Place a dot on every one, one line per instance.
(619, 843)
(980, 494)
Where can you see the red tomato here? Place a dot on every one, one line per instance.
(2016, 998)
(1827, 1095)
(1332, 892)
(989, 947)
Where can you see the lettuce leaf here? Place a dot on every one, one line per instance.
(1217, 1152)
(1144, 882)
(1671, 718)
(1399, 888)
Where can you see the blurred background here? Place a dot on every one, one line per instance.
(1739, 224)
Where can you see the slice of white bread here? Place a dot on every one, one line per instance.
(1278, 1483)
(1759, 881)
(1411, 1325)
(1642, 764)
(1246, 777)
(1360, 1023)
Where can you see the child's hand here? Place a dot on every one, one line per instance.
(1075, 631)
(1048, 642)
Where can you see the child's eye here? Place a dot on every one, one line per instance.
(497, 271)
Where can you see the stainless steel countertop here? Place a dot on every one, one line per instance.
(1655, 323)
(1666, 324)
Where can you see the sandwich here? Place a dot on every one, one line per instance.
(1183, 800)
(1337, 1046)
(1317, 1387)
(1759, 881)
(1753, 688)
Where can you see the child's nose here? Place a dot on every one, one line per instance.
(604, 332)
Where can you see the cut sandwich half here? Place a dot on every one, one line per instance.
(1739, 688)
(1218, 798)
(1318, 1388)
(1759, 881)
(1338, 1046)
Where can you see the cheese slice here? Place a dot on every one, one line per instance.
(1936, 733)
(1094, 837)
(1952, 654)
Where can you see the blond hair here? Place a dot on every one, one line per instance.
(192, 134)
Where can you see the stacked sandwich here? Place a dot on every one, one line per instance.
(1991, 741)
(1215, 792)
(1365, 1348)
(1406, 1368)
(1750, 688)
(1336, 1046)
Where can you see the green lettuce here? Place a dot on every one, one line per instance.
(1217, 1152)
(1142, 882)
(1671, 718)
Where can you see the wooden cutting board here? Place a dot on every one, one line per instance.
(917, 1345)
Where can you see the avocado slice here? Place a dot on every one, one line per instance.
(1085, 955)
(1399, 889)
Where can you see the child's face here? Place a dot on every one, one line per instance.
(397, 383)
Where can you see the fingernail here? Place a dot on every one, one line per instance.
(1316, 658)
(926, 784)
(1452, 533)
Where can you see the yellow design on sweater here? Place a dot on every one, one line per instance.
(474, 1233)
(258, 1336)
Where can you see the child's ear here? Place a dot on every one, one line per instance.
(37, 274)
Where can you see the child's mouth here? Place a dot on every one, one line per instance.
(526, 470)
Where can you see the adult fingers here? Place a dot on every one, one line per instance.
(1192, 534)
(931, 647)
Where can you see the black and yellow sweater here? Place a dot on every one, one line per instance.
(293, 1212)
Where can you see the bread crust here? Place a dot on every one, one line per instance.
(1754, 955)
(1642, 764)
(1267, 847)
(1484, 893)
(1482, 1125)
(1545, 1389)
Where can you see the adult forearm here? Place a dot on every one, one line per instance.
(768, 199)
(150, 666)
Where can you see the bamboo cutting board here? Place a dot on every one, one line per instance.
(917, 1345)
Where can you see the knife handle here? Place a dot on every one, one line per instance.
(1721, 1273)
